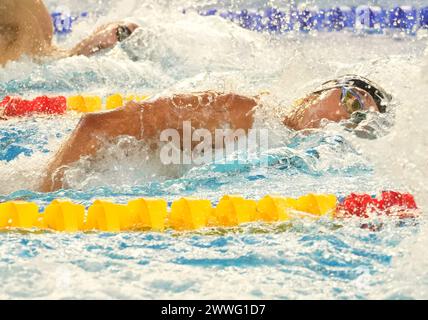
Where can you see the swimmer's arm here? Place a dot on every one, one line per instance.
(208, 111)
(103, 38)
(100, 40)
(9, 35)
(25, 28)
(87, 138)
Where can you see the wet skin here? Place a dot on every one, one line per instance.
(26, 29)
(207, 110)
(326, 105)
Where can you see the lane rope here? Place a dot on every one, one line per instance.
(152, 214)
(57, 105)
(373, 19)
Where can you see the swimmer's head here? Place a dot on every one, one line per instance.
(125, 30)
(105, 37)
(379, 95)
(336, 101)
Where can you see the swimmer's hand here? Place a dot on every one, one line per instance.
(105, 37)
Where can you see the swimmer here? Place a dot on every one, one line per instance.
(26, 29)
(335, 101)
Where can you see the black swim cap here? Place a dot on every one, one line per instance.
(380, 96)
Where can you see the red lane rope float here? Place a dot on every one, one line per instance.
(16, 106)
(389, 203)
(193, 214)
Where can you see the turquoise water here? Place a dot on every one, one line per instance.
(184, 53)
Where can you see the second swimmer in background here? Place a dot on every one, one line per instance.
(26, 29)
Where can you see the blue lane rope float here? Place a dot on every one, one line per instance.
(405, 18)
(424, 17)
(63, 22)
(276, 20)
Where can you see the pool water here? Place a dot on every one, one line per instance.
(174, 52)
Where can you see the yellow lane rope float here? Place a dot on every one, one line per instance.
(17, 107)
(188, 213)
(95, 103)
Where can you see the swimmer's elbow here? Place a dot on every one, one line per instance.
(94, 123)
(89, 121)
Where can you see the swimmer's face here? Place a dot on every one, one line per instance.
(132, 26)
(327, 105)
(112, 31)
(107, 35)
